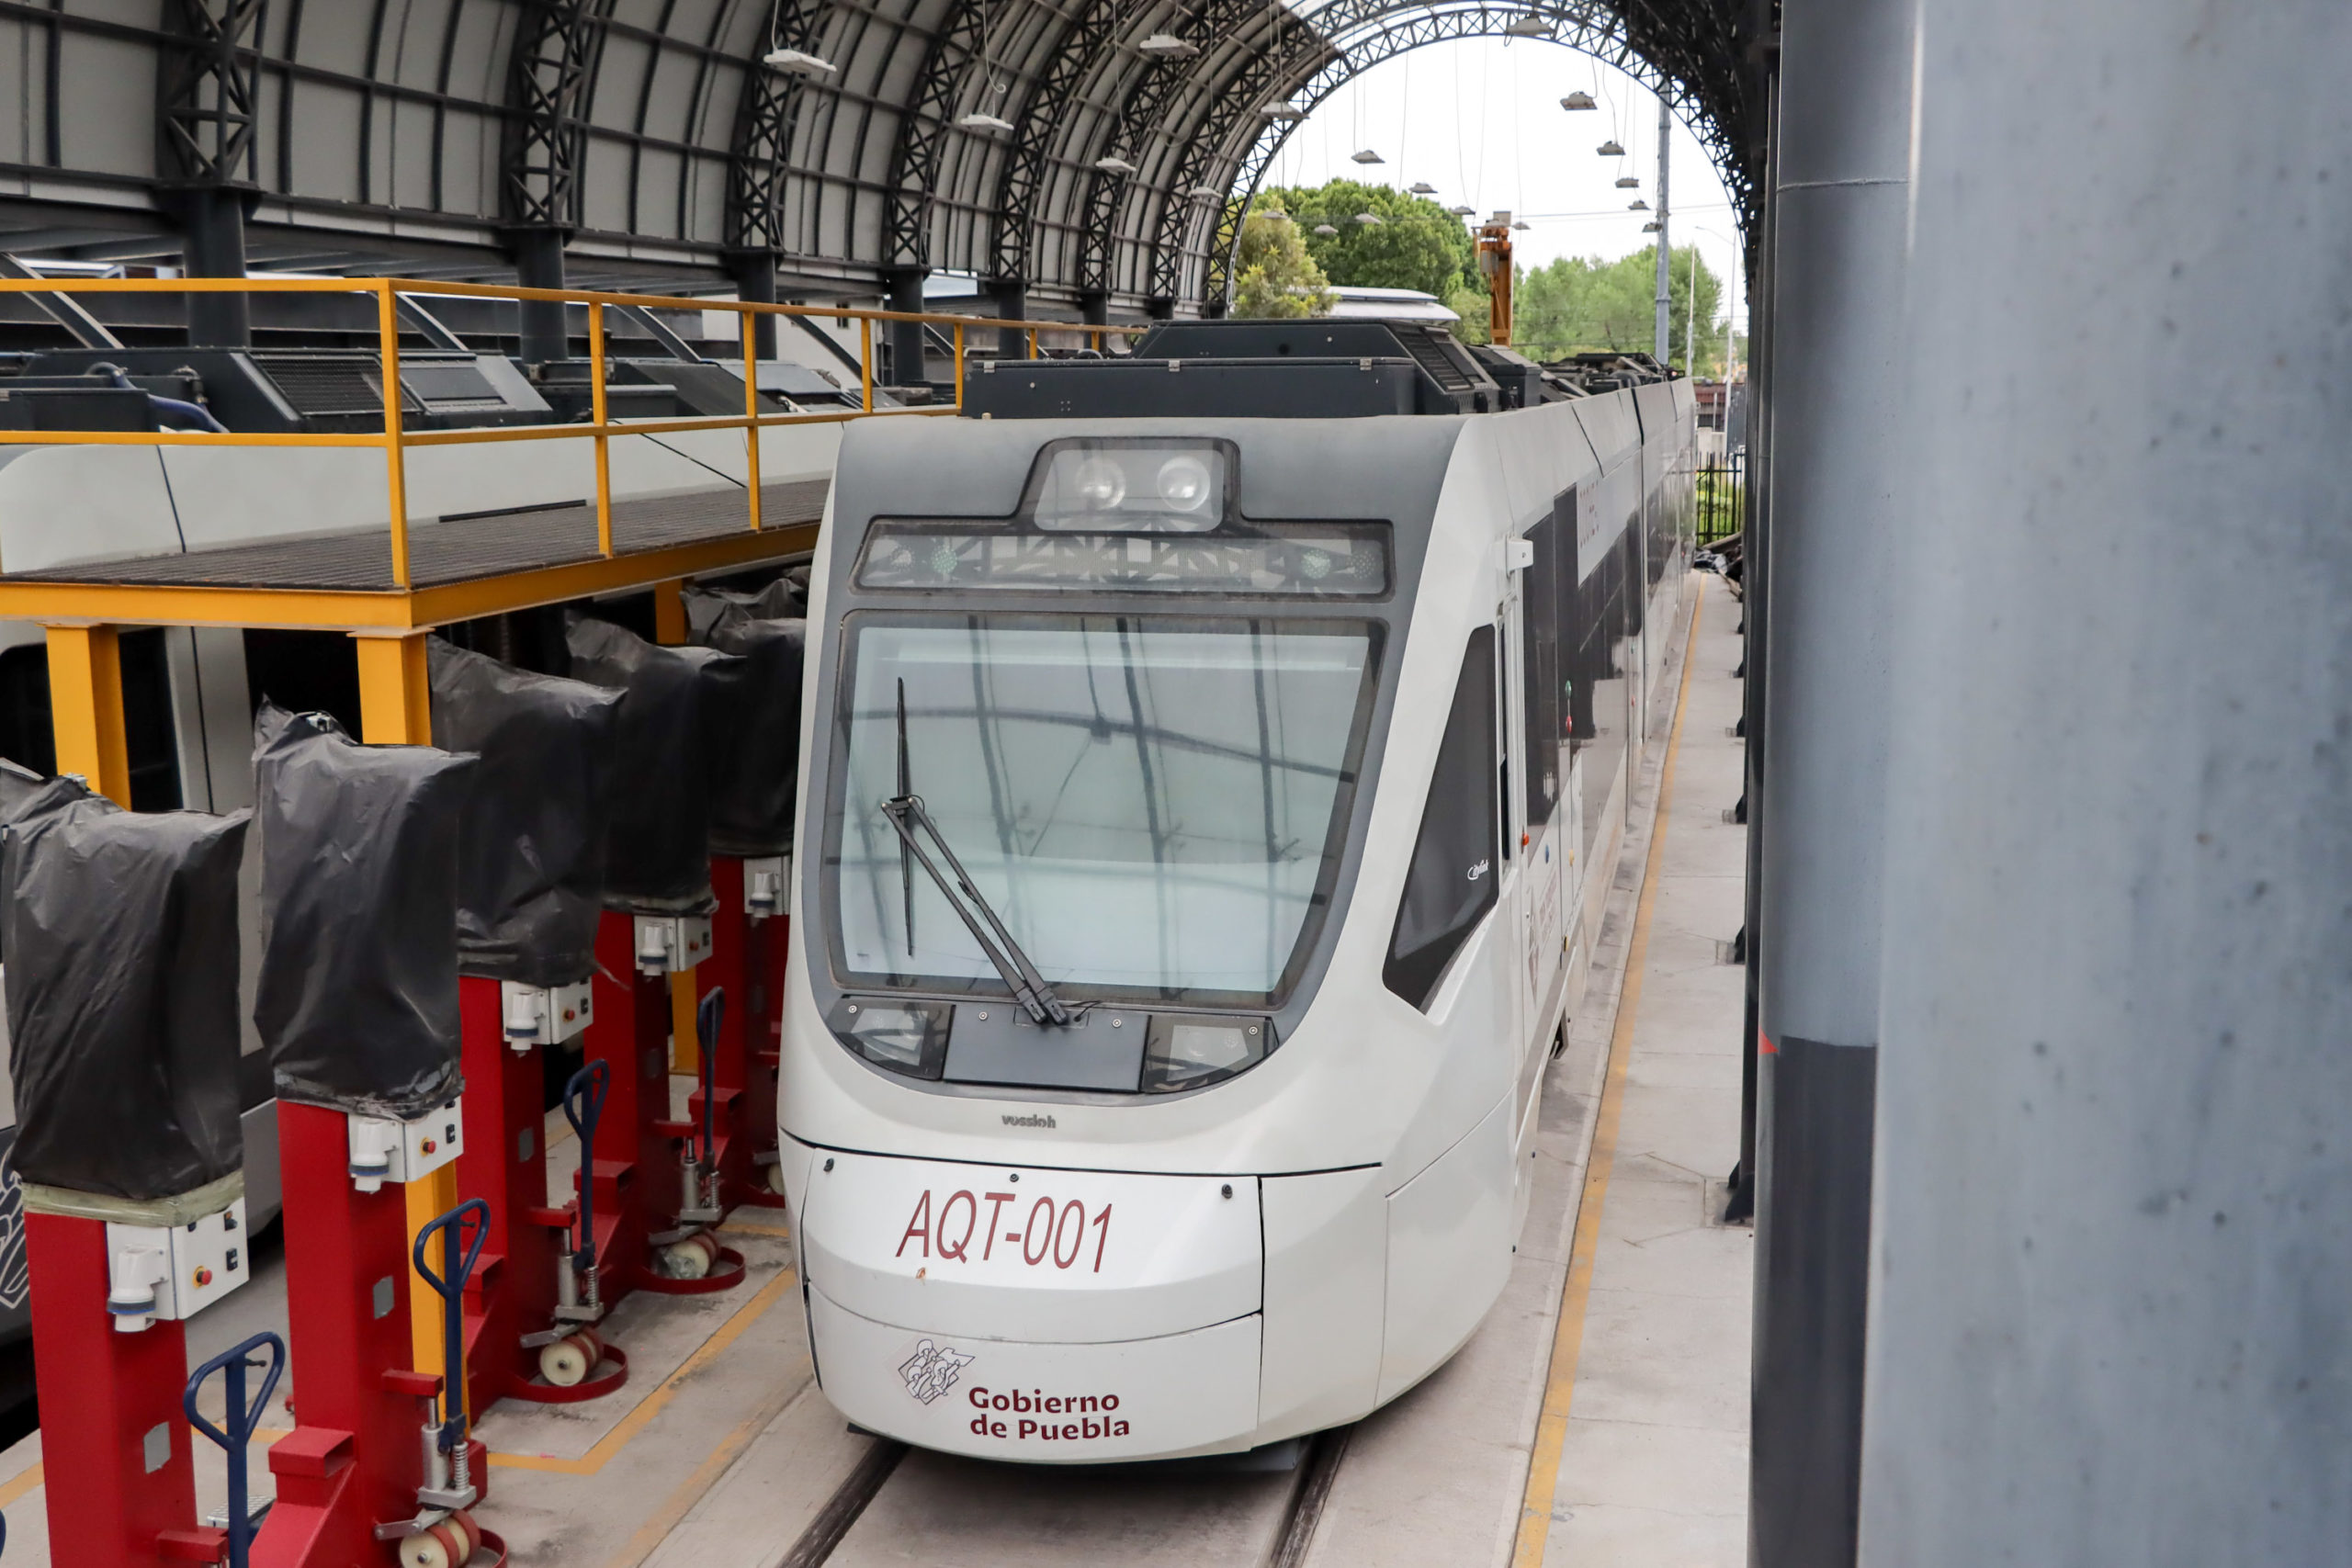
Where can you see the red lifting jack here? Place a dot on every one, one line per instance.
(530, 1331)
(641, 1164)
(750, 939)
(355, 1472)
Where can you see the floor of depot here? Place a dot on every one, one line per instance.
(1599, 1417)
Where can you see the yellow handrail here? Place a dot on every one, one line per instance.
(394, 440)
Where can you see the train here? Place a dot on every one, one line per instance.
(1214, 763)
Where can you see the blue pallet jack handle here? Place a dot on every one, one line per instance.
(707, 1017)
(583, 1107)
(457, 1258)
(243, 1420)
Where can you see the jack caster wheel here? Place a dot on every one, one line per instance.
(449, 1544)
(571, 1358)
(691, 1259)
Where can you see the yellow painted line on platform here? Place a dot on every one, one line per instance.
(19, 1484)
(609, 1446)
(1567, 1339)
(747, 1227)
(695, 1487)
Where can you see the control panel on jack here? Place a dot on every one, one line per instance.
(544, 1016)
(386, 1150)
(173, 1272)
(670, 944)
(766, 879)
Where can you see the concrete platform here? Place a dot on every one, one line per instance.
(1598, 1417)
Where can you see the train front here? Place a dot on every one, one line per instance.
(1081, 1129)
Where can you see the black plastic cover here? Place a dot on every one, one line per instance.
(657, 854)
(531, 854)
(757, 767)
(121, 934)
(20, 785)
(358, 1004)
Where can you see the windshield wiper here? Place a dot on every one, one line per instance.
(905, 812)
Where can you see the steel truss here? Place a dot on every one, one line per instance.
(206, 119)
(549, 79)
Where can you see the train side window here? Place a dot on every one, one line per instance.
(1540, 668)
(1451, 883)
(148, 734)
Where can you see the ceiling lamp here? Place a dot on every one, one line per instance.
(1422, 188)
(986, 124)
(1637, 205)
(1628, 181)
(1578, 101)
(1205, 193)
(1522, 224)
(1464, 211)
(1167, 46)
(1650, 228)
(1366, 156)
(1370, 217)
(1530, 25)
(1114, 164)
(1609, 149)
(796, 62)
(1325, 229)
(1286, 112)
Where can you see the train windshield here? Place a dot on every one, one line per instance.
(1153, 806)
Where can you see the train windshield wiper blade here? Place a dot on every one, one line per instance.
(1037, 998)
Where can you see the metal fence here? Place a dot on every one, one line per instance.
(1723, 494)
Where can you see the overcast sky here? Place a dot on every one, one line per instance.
(1480, 119)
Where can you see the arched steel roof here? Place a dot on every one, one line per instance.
(426, 136)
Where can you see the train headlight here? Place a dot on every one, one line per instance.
(905, 1037)
(1184, 482)
(1185, 1053)
(1130, 484)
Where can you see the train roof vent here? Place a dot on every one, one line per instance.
(1427, 346)
(325, 386)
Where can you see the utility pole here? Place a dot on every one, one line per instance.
(1690, 322)
(1665, 263)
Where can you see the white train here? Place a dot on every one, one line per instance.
(1204, 822)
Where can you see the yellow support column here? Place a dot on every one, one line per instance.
(396, 709)
(670, 630)
(85, 708)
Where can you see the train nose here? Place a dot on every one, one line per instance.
(1035, 1315)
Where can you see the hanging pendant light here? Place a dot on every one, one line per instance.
(1523, 225)
(1366, 156)
(984, 124)
(1628, 181)
(1167, 46)
(1650, 228)
(1287, 113)
(1609, 149)
(799, 62)
(1533, 24)
(1422, 188)
(1637, 205)
(1578, 100)
(1370, 217)
(1464, 211)
(1205, 193)
(1326, 230)
(1114, 165)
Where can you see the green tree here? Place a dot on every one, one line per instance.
(1273, 274)
(1415, 244)
(1584, 304)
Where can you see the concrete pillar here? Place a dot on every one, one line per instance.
(907, 368)
(754, 272)
(212, 220)
(538, 264)
(2108, 1315)
(1011, 297)
(1841, 193)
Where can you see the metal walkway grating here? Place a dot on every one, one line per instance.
(458, 550)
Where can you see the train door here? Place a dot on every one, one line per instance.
(1539, 726)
